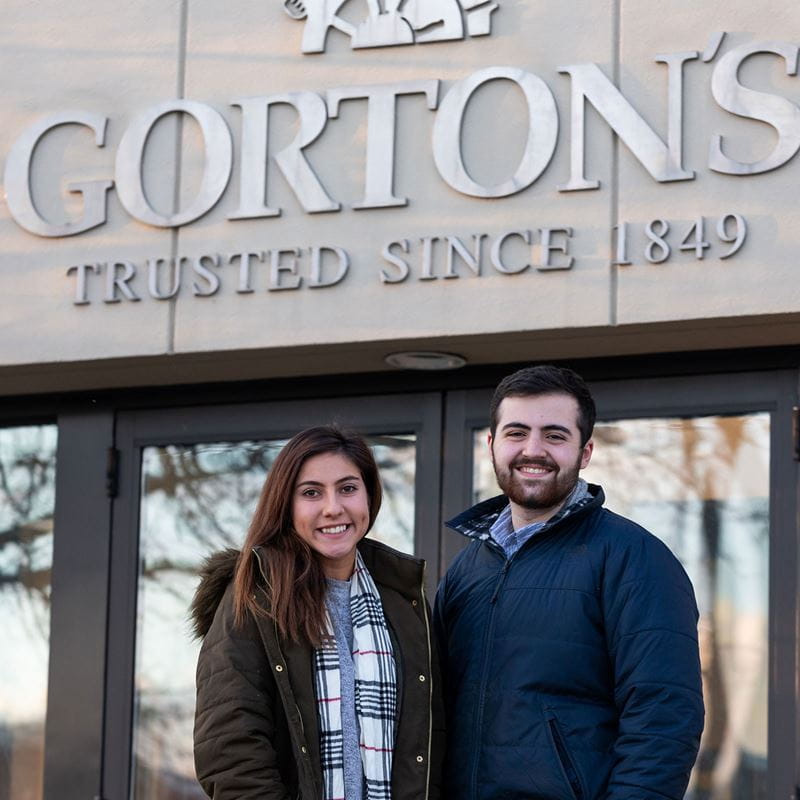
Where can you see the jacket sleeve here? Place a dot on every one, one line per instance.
(651, 628)
(234, 750)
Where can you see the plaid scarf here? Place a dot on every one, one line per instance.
(376, 694)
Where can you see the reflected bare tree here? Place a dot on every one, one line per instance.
(27, 479)
(27, 476)
(720, 759)
(705, 474)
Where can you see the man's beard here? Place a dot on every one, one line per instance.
(539, 493)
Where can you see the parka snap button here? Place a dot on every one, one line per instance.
(414, 603)
(422, 678)
(420, 759)
(304, 749)
(279, 668)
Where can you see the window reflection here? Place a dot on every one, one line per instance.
(27, 491)
(701, 485)
(196, 500)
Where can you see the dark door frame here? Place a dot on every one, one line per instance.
(388, 414)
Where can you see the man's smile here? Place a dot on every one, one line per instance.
(533, 469)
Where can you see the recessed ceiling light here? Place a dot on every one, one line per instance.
(425, 359)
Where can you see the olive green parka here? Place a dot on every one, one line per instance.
(256, 734)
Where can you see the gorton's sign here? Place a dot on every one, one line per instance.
(662, 160)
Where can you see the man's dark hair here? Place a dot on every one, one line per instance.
(547, 379)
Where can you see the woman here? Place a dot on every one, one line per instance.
(317, 677)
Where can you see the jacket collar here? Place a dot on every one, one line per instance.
(476, 522)
(392, 569)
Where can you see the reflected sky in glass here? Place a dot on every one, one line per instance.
(196, 500)
(702, 486)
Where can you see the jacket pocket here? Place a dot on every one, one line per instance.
(565, 759)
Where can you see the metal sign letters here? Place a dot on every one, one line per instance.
(663, 159)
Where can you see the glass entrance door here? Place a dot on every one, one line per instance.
(707, 463)
(196, 500)
(707, 485)
(193, 489)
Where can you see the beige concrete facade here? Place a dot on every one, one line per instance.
(121, 62)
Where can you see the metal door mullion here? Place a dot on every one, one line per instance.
(123, 596)
(74, 728)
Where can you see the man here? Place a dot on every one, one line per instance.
(568, 633)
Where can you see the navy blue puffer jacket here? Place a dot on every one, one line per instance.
(571, 670)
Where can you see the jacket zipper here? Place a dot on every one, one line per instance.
(487, 642)
(277, 637)
(500, 581)
(485, 666)
(275, 625)
(430, 681)
(278, 647)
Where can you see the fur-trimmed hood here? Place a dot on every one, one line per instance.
(215, 575)
(388, 567)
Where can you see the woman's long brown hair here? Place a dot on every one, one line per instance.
(295, 580)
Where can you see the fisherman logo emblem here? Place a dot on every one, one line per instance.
(393, 22)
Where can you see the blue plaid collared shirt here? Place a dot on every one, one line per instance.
(502, 530)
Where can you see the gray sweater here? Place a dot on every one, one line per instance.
(337, 601)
